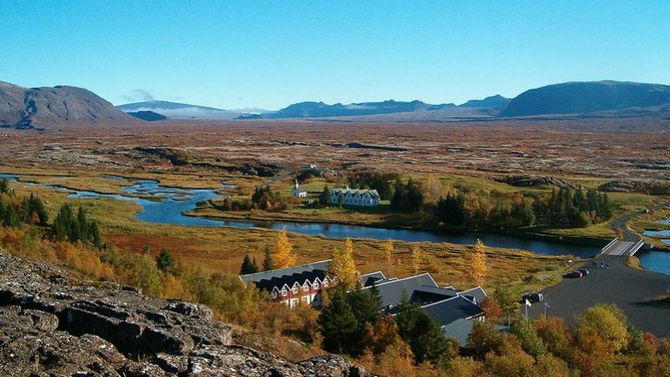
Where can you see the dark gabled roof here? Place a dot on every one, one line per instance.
(428, 294)
(476, 294)
(290, 280)
(373, 277)
(391, 292)
(267, 275)
(452, 309)
(459, 330)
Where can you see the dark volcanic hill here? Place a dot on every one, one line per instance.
(149, 116)
(40, 107)
(587, 97)
(322, 110)
(177, 110)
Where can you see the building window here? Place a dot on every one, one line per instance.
(325, 283)
(316, 285)
(284, 292)
(294, 290)
(305, 287)
(274, 294)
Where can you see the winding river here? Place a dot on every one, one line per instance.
(166, 205)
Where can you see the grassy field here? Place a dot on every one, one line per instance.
(222, 249)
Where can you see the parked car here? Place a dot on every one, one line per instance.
(573, 275)
(533, 297)
(584, 271)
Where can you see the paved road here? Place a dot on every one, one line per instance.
(632, 290)
(620, 222)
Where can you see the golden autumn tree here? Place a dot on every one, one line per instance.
(478, 266)
(417, 256)
(434, 188)
(342, 265)
(388, 253)
(283, 255)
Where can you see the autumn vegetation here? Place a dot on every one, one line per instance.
(410, 344)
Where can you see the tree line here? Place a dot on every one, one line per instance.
(562, 208)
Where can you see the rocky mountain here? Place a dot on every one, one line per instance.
(176, 110)
(149, 116)
(322, 110)
(54, 324)
(496, 101)
(587, 97)
(41, 107)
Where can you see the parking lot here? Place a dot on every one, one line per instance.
(636, 292)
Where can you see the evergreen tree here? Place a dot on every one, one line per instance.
(63, 227)
(82, 225)
(324, 197)
(339, 326)
(422, 333)
(4, 186)
(166, 262)
(451, 210)
(33, 211)
(248, 266)
(267, 259)
(524, 330)
(11, 218)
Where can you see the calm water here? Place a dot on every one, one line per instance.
(166, 205)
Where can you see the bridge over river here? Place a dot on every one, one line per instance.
(627, 246)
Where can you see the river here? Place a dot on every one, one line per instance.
(166, 205)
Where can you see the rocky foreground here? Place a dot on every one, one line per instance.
(52, 324)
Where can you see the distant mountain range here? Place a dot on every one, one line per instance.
(322, 110)
(40, 107)
(587, 97)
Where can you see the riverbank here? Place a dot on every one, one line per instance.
(273, 217)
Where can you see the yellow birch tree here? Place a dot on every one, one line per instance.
(388, 252)
(478, 263)
(417, 255)
(342, 265)
(283, 255)
(434, 188)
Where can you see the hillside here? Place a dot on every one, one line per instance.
(41, 107)
(587, 97)
(175, 110)
(54, 324)
(496, 101)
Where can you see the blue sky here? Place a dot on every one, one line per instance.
(268, 54)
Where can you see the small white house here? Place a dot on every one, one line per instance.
(355, 197)
(297, 192)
